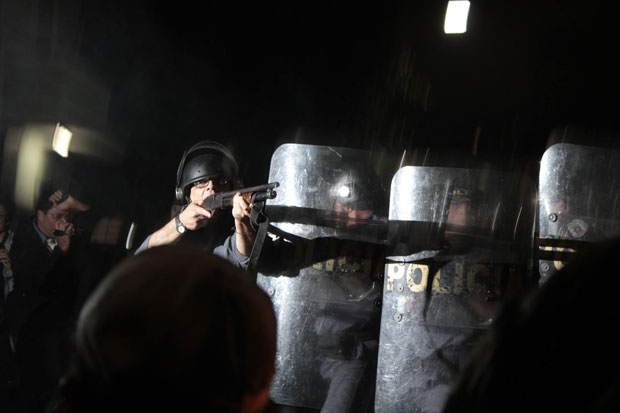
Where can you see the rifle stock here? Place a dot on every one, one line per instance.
(251, 194)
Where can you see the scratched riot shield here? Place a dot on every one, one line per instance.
(579, 202)
(324, 273)
(460, 241)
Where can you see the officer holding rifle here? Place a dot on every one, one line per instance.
(206, 171)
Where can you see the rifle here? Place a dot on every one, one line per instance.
(253, 194)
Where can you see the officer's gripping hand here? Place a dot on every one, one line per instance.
(195, 216)
(241, 209)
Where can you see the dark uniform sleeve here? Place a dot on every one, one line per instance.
(144, 246)
(228, 251)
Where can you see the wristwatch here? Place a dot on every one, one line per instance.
(180, 228)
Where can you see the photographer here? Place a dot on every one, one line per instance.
(39, 308)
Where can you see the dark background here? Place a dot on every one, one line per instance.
(380, 76)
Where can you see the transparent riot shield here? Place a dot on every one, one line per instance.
(459, 244)
(579, 202)
(324, 273)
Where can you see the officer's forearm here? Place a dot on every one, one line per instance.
(245, 236)
(167, 234)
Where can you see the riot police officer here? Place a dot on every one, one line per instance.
(326, 283)
(205, 169)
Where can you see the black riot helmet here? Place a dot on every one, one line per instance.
(206, 159)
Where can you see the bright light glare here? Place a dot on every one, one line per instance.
(456, 16)
(30, 164)
(344, 191)
(61, 140)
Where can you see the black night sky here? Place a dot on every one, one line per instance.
(253, 72)
(381, 76)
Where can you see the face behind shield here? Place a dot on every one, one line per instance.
(359, 196)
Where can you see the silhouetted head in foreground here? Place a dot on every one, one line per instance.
(554, 351)
(172, 329)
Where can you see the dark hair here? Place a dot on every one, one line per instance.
(43, 203)
(168, 329)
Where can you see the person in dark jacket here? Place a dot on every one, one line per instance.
(39, 308)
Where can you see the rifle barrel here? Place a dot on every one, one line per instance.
(223, 199)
